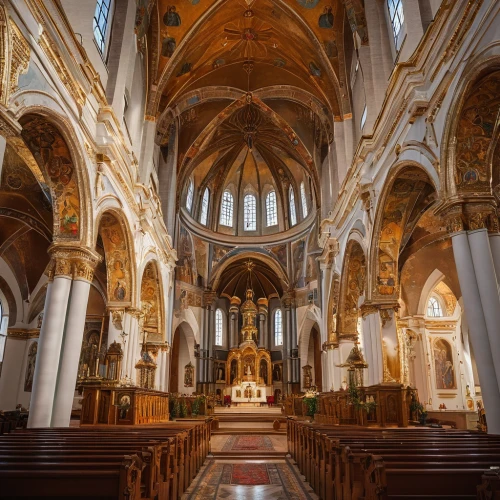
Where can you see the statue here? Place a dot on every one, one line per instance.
(263, 371)
(276, 373)
(188, 375)
(232, 376)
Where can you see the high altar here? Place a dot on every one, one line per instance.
(248, 366)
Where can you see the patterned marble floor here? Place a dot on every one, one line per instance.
(249, 480)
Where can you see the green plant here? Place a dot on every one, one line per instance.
(198, 401)
(311, 405)
(183, 410)
(175, 407)
(358, 403)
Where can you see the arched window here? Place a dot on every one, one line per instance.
(397, 17)
(189, 197)
(434, 308)
(226, 209)
(250, 213)
(218, 327)
(101, 21)
(278, 327)
(204, 207)
(3, 335)
(293, 213)
(271, 209)
(304, 199)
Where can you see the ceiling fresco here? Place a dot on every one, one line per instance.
(25, 222)
(290, 41)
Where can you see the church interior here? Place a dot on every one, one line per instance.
(250, 249)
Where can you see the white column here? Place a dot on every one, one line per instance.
(49, 349)
(488, 290)
(166, 378)
(70, 353)
(478, 333)
(329, 370)
(495, 252)
(368, 349)
(133, 334)
(337, 371)
(377, 355)
(113, 331)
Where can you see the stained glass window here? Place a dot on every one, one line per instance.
(226, 209)
(204, 207)
(278, 327)
(271, 209)
(397, 17)
(189, 197)
(250, 213)
(293, 212)
(304, 199)
(218, 327)
(434, 308)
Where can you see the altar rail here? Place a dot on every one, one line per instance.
(105, 405)
(391, 406)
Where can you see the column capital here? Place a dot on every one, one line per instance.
(288, 298)
(78, 263)
(209, 297)
(471, 216)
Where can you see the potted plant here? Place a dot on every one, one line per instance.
(417, 408)
(311, 402)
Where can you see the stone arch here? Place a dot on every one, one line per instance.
(352, 287)
(55, 149)
(183, 344)
(117, 245)
(250, 253)
(471, 132)
(408, 192)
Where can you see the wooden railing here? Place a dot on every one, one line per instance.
(109, 405)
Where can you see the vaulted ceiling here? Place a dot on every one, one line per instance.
(279, 64)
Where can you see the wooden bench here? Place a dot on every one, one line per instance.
(136, 462)
(351, 462)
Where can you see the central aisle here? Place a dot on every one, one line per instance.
(249, 463)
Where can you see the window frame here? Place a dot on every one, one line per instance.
(396, 12)
(293, 208)
(227, 209)
(433, 305)
(271, 215)
(303, 198)
(190, 196)
(205, 206)
(363, 118)
(219, 328)
(278, 333)
(250, 212)
(102, 42)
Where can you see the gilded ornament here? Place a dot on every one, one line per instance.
(455, 224)
(493, 224)
(62, 267)
(20, 56)
(477, 220)
(83, 270)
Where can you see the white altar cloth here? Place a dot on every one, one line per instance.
(254, 387)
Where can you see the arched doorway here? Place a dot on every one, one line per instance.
(182, 366)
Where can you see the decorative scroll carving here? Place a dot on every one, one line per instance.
(20, 56)
(50, 48)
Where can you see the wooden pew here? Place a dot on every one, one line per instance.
(354, 462)
(166, 457)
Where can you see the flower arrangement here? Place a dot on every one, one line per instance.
(196, 406)
(355, 399)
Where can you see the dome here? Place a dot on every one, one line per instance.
(249, 178)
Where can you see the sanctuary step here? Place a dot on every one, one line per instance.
(240, 409)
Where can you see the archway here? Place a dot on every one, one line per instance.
(182, 366)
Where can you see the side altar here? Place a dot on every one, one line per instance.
(248, 367)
